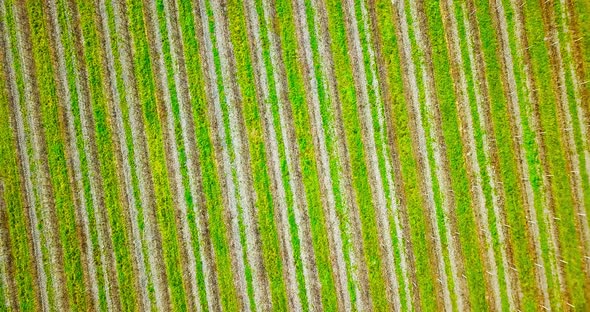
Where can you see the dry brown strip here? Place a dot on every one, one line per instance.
(565, 122)
(392, 142)
(577, 57)
(478, 204)
(271, 148)
(128, 202)
(260, 282)
(357, 258)
(6, 257)
(312, 283)
(393, 209)
(345, 171)
(192, 154)
(322, 32)
(141, 158)
(219, 139)
(527, 200)
(441, 159)
(437, 262)
(49, 215)
(322, 158)
(582, 90)
(108, 257)
(375, 178)
(272, 155)
(549, 204)
(188, 262)
(577, 70)
(36, 268)
(493, 169)
(68, 133)
(96, 184)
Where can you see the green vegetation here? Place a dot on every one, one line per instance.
(412, 108)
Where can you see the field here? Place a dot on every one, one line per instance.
(294, 155)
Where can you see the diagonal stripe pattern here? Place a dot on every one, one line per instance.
(294, 155)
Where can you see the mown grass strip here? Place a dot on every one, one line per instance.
(141, 157)
(8, 283)
(40, 154)
(13, 113)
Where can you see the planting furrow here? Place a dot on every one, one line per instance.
(8, 282)
(357, 257)
(579, 74)
(467, 132)
(376, 85)
(247, 194)
(360, 274)
(141, 158)
(582, 91)
(549, 204)
(123, 166)
(492, 168)
(73, 161)
(420, 152)
(393, 165)
(576, 68)
(577, 71)
(359, 266)
(292, 154)
(441, 160)
(375, 178)
(192, 154)
(42, 175)
(565, 120)
(510, 90)
(272, 154)
(220, 143)
(30, 202)
(380, 87)
(320, 147)
(164, 101)
(90, 149)
(108, 257)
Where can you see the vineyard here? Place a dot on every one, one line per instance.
(294, 155)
